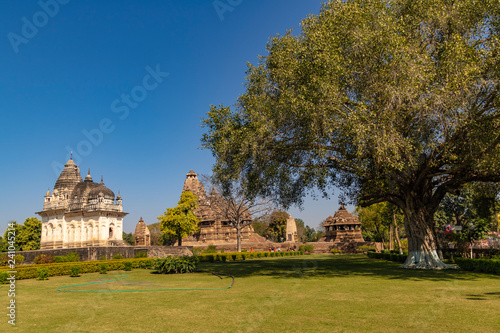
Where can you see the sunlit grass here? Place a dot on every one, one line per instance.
(318, 293)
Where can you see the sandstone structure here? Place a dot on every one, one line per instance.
(80, 213)
(141, 235)
(291, 229)
(214, 230)
(342, 227)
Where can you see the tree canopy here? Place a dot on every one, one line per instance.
(180, 221)
(389, 100)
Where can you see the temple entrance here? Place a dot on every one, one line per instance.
(111, 232)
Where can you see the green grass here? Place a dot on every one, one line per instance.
(317, 293)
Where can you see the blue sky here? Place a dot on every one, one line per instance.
(124, 84)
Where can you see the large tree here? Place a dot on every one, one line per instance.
(390, 100)
(180, 221)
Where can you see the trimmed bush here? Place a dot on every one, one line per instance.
(233, 256)
(491, 266)
(75, 271)
(4, 259)
(127, 266)
(42, 273)
(3, 277)
(175, 265)
(103, 269)
(211, 249)
(118, 256)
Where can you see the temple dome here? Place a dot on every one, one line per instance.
(100, 188)
(82, 190)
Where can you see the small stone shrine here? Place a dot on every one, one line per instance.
(291, 229)
(141, 235)
(342, 227)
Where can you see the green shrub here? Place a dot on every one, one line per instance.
(102, 258)
(233, 256)
(3, 277)
(141, 254)
(118, 256)
(43, 273)
(271, 254)
(259, 254)
(266, 254)
(211, 249)
(175, 265)
(491, 266)
(221, 250)
(75, 271)
(43, 259)
(70, 257)
(243, 256)
(252, 255)
(223, 257)
(127, 266)
(336, 251)
(104, 269)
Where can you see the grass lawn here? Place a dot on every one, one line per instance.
(315, 293)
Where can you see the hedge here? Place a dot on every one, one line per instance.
(388, 256)
(479, 265)
(232, 256)
(58, 269)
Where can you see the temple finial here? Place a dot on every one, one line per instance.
(102, 180)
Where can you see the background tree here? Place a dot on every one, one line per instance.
(390, 100)
(473, 208)
(276, 230)
(129, 238)
(301, 230)
(230, 202)
(180, 221)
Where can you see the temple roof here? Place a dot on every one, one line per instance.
(69, 177)
(341, 216)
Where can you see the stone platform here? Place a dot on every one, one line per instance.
(97, 252)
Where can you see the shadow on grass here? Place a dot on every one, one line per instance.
(327, 266)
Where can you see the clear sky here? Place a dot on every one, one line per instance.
(124, 85)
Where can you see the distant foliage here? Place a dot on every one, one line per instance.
(141, 254)
(70, 257)
(104, 269)
(118, 256)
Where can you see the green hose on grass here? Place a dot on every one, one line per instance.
(121, 277)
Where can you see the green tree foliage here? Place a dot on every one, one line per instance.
(313, 235)
(129, 238)
(301, 230)
(276, 230)
(390, 100)
(474, 207)
(27, 236)
(180, 221)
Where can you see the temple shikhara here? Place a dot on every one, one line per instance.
(213, 229)
(343, 227)
(80, 213)
(142, 236)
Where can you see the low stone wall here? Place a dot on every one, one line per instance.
(107, 252)
(319, 247)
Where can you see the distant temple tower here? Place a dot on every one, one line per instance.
(291, 229)
(213, 228)
(80, 213)
(141, 234)
(343, 227)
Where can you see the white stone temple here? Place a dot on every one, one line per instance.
(80, 213)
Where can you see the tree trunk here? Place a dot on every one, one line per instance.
(396, 231)
(391, 239)
(238, 237)
(179, 239)
(419, 224)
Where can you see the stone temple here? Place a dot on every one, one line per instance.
(214, 230)
(343, 227)
(80, 213)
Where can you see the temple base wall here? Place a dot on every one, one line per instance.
(107, 252)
